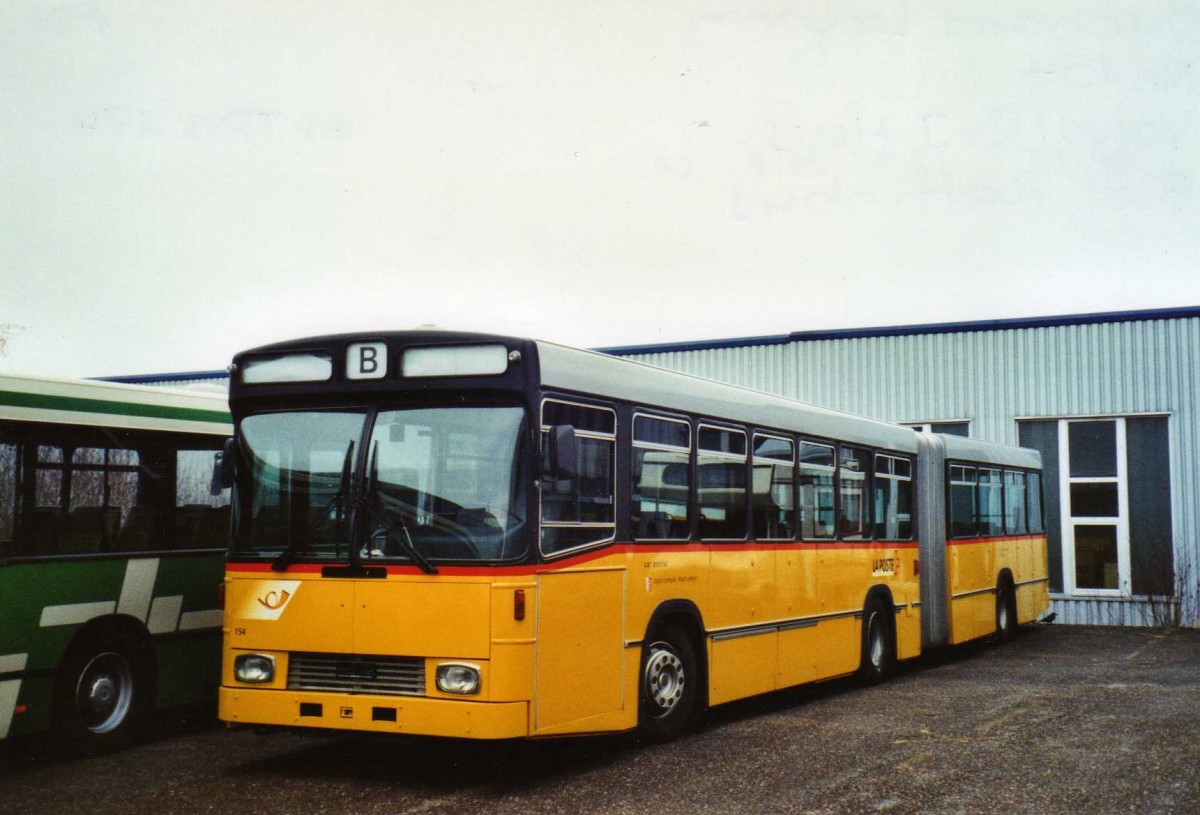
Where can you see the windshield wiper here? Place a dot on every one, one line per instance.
(288, 555)
(339, 497)
(386, 528)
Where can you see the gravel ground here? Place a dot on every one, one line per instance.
(1062, 720)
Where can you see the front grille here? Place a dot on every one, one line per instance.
(348, 673)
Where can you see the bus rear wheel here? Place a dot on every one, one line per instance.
(102, 696)
(668, 686)
(878, 647)
(1006, 613)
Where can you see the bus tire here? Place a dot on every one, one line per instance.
(878, 644)
(1006, 613)
(103, 695)
(668, 686)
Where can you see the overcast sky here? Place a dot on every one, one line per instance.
(180, 181)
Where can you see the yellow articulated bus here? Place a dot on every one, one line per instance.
(488, 537)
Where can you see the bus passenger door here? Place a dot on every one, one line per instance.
(580, 651)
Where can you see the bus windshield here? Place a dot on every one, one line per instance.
(294, 483)
(447, 482)
(450, 481)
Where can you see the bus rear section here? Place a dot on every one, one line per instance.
(985, 568)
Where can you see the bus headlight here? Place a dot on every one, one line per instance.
(254, 669)
(453, 677)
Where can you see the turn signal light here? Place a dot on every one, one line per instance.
(519, 604)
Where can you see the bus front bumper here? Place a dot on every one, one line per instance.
(408, 715)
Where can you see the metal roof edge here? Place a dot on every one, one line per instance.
(1006, 324)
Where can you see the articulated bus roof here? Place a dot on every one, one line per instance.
(985, 452)
(589, 372)
(108, 404)
(592, 372)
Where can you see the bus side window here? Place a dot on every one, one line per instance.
(1034, 504)
(580, 511)
(661, 484)
(8, 497)
(893, 498)
(991, 518)
(774, 487)
(201, 518)
(816, 491)
(964, 515)
(722, 488)
(1014, 503)
(41, 527)
(853, 507)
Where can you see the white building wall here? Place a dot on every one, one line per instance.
(992, 378)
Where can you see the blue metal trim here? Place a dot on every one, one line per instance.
(909, 330)
(142, 379)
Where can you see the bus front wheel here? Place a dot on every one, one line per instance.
(102, 696)
(669, 680)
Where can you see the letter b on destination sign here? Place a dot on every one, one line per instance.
(366, 360)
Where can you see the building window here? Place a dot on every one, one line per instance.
(1093, 495)
(1107, 503)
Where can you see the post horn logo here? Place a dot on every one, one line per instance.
(275, 600)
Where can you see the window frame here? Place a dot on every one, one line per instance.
(1024, 490)
(868, 493)
(690, 450)
(833, 472)
(153, 448)
(543, 429)
(743, 459)
(793, 466)
(1070, 522)
(910, 478)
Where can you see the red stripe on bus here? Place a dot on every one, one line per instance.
(592, 555)
(1003, 539)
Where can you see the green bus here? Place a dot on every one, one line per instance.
(112, 541)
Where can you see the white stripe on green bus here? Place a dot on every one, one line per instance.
(161, 614)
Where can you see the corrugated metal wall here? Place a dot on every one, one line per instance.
(994, 377)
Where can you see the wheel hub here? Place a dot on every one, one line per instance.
(665, 680)
(103, 695)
